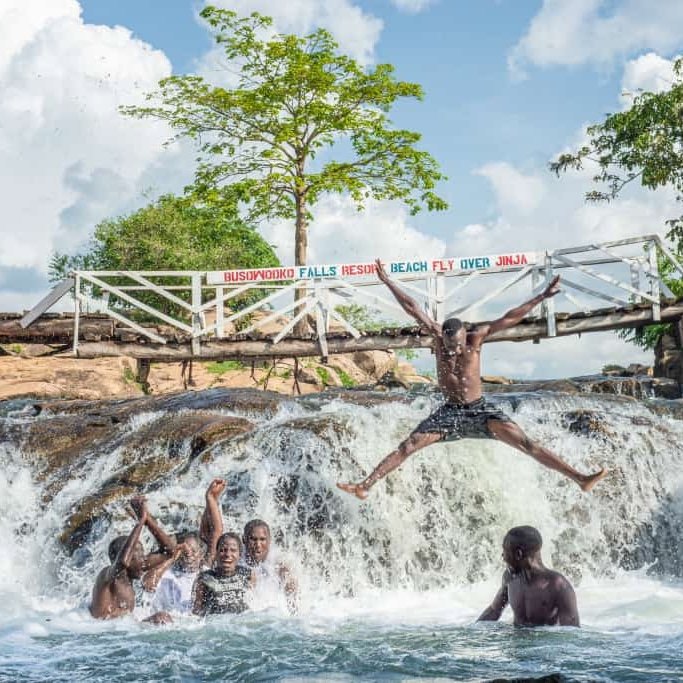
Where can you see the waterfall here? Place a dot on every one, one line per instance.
(436, 522)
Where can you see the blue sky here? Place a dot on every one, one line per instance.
(508, 85)
(474, 110)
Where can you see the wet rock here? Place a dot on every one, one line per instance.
(375, 363)
(148, 458)
(586, 423)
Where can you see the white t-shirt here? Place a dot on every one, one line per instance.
(268, 591)
(174, 592)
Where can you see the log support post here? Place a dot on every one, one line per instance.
(143, 366)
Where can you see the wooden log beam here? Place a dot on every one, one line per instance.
(59, 331)
(215, 349)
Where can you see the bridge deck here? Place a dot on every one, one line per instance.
(101, 336)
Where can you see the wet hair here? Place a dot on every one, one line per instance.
(226, 537)
(254, 524)
(525, 538)
(115, 547)
(452, 326)
(182, 536)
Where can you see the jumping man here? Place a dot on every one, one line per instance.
(465, 413)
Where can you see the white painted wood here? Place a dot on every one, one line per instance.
(47, 302)
(135, 302)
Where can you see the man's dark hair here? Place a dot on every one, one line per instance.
(452, 325)
(526, 538)
(225, 537)
(115, 547)
(254, 524)
(182, 536)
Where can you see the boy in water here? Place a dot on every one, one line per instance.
(223, 589)
(465, 413)
(267, 566)
(113, 594)
(538, 596)
(172, 580)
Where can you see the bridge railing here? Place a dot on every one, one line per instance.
(201, 305)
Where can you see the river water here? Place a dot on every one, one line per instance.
(391, 587)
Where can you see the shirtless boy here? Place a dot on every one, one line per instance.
(113, 595)
(465, 413)
(538, 596)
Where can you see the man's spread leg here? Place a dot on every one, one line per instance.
(415, 442)
(511, 434)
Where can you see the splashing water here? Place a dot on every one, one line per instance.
(390, 587)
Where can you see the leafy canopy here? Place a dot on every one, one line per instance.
(268, 142)
(643, 144)
(171, 233)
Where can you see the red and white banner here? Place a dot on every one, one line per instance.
(463, 264)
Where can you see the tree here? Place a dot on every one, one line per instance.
(171, 233)
(261, 143)
(643, 144)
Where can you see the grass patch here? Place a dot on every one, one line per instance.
(346, 379)
(129, 376)
(324, 375)
(223, 366)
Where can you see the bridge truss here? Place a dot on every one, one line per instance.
(205, 308)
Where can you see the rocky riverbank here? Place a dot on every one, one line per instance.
(64, 377)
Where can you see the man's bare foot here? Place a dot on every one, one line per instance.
(357, 490)
(591, 480)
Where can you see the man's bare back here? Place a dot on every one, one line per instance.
(537, 595)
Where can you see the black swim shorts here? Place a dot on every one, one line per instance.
(462, 421)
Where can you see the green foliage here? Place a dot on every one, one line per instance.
(346, 379)
(407, 354)
(361, 317)
(642, 144)
(129, 376)
(324, 375)
(221, 367)
(172, 233)
(303, 121)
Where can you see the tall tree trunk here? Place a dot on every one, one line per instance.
(300, 253)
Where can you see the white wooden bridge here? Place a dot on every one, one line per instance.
(173, 315)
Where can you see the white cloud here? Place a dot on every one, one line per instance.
(74, 158)
(341, 234)
(356, 31)
(412, 6)
(574, 32)
(649, 72)
(516, 192)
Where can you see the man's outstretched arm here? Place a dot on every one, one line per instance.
(211, 526)
(515, 315)
(494, 611)
(407, 303)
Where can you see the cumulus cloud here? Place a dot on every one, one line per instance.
(340, 234)
(74, 159)
(356, 31)
(650, 72)
(575, 32)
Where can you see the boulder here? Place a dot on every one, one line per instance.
(375, 363)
